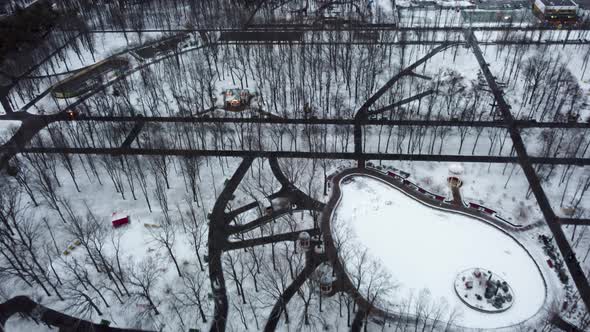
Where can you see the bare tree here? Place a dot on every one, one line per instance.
(143, 277)
(82, 293)
(165, 237)
(192, 294)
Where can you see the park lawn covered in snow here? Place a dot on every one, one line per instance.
(425, 248)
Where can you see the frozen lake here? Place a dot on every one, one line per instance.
(425, 248)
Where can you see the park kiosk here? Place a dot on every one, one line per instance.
(304, 240)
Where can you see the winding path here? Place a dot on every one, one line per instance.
(220, 230)
(363, 112)
(25, 306)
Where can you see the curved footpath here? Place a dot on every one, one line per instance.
(344, 283)
(25, 306)
(221, 229)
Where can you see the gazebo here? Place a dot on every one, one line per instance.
(454, 179)
(326, 282)
(304, 240)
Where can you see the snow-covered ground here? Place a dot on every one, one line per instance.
(7, 129)
(15, 324)
(335, 81)
(425, 248)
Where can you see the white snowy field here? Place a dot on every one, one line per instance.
(425, 248)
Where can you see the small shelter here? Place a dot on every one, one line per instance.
(319, 249)
(455, 175)
(326, 283)
(477, 273)
(119, 219)
(269, 210)
(556, 11)
(72, 114)
(236, 99)
(280, 203)
(304, 241)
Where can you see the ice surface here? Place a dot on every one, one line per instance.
(425, 248)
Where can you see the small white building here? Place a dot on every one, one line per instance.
(304, 240)
(455, 177)
(556, 11)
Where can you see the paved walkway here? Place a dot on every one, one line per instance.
(576, 272)
(220, 230)
(66, 323)
(312, 261)
(364, 112)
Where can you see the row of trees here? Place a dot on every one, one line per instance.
(112, 15)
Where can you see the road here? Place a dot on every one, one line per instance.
(358, 27)
(325, 121)
(506, 42)
(10, 151)
(32, 124)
